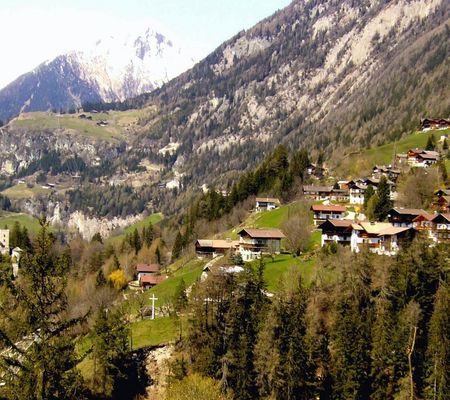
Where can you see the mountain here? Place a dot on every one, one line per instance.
(114, 69)
(331, 76)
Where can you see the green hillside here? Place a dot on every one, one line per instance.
(9, 219)
(362, 162)
(153, 218)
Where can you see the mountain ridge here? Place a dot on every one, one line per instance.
(114, 69)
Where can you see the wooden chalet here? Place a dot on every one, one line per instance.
(214, 247)
(427, 124)
(148, 281)
(317, 192)
(404, 217)
(255, 242)
(147, 270)
(422, 158)
(336, 230)
(441, 228)
(324, 212)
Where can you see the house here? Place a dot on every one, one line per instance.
(214, 247)
(255, 242)
(324, 212)
(147, 270)
(385, 170)
(148, 281)
(336, 230)
(4, 241)
(356, 193)
(422, 158)
(442, 192)
(427, 124)
(381, 238)
(440, 232)
(317, 192)
(266, 203)
(399, 216)
(423, 223)
(341, 195)
(442, 204)
(315, 170)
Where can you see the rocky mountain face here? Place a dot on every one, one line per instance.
(113, 70)
(332, 76)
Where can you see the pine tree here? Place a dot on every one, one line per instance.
(45, 367)
(368, 195)
(110, 350)
(431, 143)
(136, 241)
(438, 352)
(97, 238)
(177, 246)
(384, 203)
(180, 296)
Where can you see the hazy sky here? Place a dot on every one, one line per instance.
(32, 31)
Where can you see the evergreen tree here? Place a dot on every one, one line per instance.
(42, 360)
(177, 246)
(109, 350)
(115, 263)
(300, 161)
(100, 280)
(243, 326)
(431, 143)
(445, 144)
(136, 241)
(147, 235)
(180, 296)
(368, 195)
(97, 238)
(438, 352)
(384, 203)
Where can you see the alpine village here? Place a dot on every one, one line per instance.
(272, 222)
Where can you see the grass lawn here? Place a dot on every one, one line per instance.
(154, 219)
(9, 218)
(154, 332)
(45, 120)
(21, 191)
(166, 290)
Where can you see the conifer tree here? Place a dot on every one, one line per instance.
(41, 361)
(110, 349)
(177, 246)
(384, 203)
(136, 241)
(431, 143)
(180, 296)
(438, 352)
(368, 195)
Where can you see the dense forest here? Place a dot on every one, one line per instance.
(381, 331)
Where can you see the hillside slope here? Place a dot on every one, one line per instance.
(332, 76)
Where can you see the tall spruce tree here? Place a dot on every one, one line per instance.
(384, 203)
(40, 363)
(438, 352)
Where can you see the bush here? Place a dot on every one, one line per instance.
(117, 279)
(196, 387)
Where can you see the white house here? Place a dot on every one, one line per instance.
(255, 242)
(378, 237)
(266, 203)
(324, 212)
(147, 270)
(357, 191)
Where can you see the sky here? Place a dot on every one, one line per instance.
(33, 31)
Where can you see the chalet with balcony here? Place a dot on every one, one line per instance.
(266, 203)
(381, 238)
(356, 193)
(325, 212)
(428, 124)
(215, 247)
(404, 217)
(385, 170)
(422, 158)
(440, 232)
(336, 230)
(253, 243)
(317, 192)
